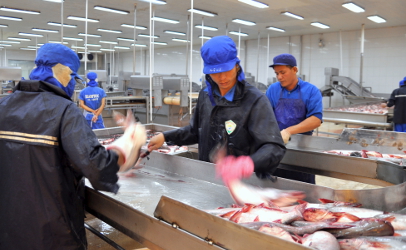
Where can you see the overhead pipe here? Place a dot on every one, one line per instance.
(87, 5)
(267, 62)
(135, 35)
(341, 52)
(151, 45)
(362, 57)
(239, 40)
(187, 44)
(259, 39)
(191, 57)
(62, 22)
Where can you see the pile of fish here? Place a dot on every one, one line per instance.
(374, 155)
(330, 225)
(370, 109)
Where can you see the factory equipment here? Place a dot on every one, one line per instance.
(163, 206)
(8, 78)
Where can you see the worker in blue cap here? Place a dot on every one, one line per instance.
(232, 113)
(298, 105)
(398, 100)
(92, 100)
(47, 150)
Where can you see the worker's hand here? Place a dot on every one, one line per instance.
(384, 105)
(285, 135)
(94, 118)
(156, 142)
(232, 168)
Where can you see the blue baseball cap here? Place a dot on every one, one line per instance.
(91, 75)
(402, 82)
(219, 54)
(284, 59)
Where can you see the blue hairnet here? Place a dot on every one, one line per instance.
(92, 77)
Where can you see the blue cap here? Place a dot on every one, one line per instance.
(402, 82)
(284, 59)
(91, 75)
(219, 55)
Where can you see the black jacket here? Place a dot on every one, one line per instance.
(256, 134)
(46, 148)
(398, 98)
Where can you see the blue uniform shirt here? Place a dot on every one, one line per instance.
(229, 96)
(310, 94)
(92, 97)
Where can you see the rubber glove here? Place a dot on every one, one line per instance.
(129, 145)
(232, 168)
(285, 135)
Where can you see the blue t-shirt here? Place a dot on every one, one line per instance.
(92, 96)
(229, 96)
(311, 97)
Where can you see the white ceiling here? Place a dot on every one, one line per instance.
(329, 12)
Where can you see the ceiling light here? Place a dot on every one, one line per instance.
(180, 40)
(94, 51)
(202, 12)
(353, 7)
(11, 18)
(110, 31)
(125, 39)
(64, 25)
(3, 25)
(138, 45)
(108, 42)
(124, 12)
(205, 37)
(121, 47)
(160, 43)
(165, 20)
(92, 45)
(238, 33)
(144, 35)
(175, 32)
(73, 38)
(27, 49)
(57, 42)
(275, 29)
(92, 35)
(107, 50)
(206, 27)
(255, 3)
(132, 26)
(243, 22)
(377, 19)
(78, 47)
(83, 19)
(34, 47)
(44, 30)
(160, 2)
(55, 1)
(20, 11)
(19, 39)
(286, 13)
(29, 34)
(10, 42)
(1, 44)
(320, 25)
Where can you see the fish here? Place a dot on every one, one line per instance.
(321, 240)
(372, 243)
(365, 227)
(357, 211)
(243, 193)
(277, 232)
(320, 214)
(398, 221)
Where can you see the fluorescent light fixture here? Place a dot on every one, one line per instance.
(255, 3)
(124, 12)
(27, 49)
(107, 50)
(92, 45)
(132, 26)
(125, 39)
(3, 25)
(19, 39)
(121, 47)
(83, 19)
(3, 44)
(10, 42)
(238, 33)
(110, 31)
(78, 47)
(206, 27)
(206, 37)
(91, 35)
(20, 10)
(138, 45)
(64, 25)
(275, 29)
(320, 25)
(240, 21)
(144, 35)
(377, 19)
(109, 42)
(165, 20)
(160, 43)
(180, 40)
(94, 51)
(11, 18)
(159, 2)
(45, 30)
(55, 1)
(29, 34)
(353, 7)
(174, 32)
(33, 46)
(289, 14)
(202, 12)
(56, 42)
(72, 38)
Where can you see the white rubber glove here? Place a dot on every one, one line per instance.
(285, 135)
